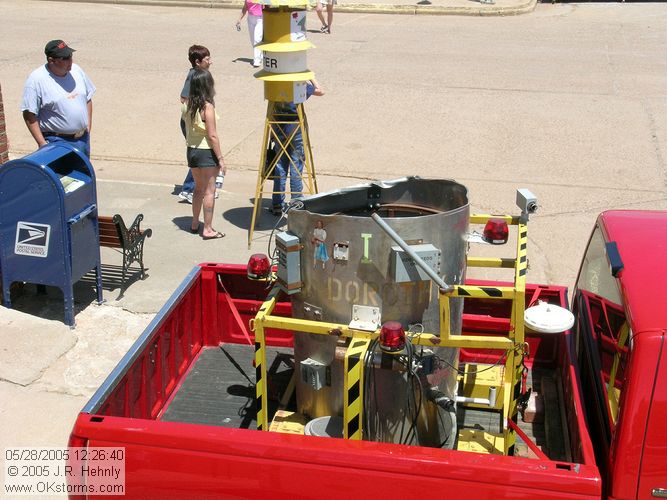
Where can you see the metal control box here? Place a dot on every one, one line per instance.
(403, 267)
(289, 262)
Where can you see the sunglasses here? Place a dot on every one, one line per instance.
(64, 58)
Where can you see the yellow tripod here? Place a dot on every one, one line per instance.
(282, 129)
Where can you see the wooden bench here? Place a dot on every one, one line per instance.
(115, 234)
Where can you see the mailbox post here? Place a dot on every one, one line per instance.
(49, 232)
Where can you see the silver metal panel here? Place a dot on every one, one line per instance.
(403, 267)
(421, 211)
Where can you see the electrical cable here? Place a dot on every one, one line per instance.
(442, 424)
(412, 376)
(458, 370)
(413, 387)
(416, 378)
(404, 428)
(368, 373)
(406, 410)
(370, 391)
(453, 425)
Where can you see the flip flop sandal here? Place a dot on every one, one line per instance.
(324, 29)
(195, 231)
(216, 236)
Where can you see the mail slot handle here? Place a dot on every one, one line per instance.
(85, 212)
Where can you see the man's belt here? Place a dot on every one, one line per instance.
(76, 135)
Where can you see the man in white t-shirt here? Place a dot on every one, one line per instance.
(57, 100)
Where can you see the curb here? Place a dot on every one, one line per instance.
(433, 10)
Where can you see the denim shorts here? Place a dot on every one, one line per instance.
(199, 158)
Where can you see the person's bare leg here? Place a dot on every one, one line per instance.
(329, 15)
(197, 197)
(318, 9)
(208, 201)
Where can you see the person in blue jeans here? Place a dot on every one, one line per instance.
(293, 161)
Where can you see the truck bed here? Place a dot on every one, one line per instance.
(183, 399)
(219, 388)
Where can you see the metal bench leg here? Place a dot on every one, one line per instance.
(126, 266)
(140, 258)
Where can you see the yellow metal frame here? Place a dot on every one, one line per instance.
(478, 441)
(513, 344)
(264, 320)
(273, 123)
(476, 381)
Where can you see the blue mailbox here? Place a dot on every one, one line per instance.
(49, 231)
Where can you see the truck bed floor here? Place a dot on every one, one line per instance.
(219, 388)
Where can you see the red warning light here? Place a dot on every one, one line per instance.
(259, 266)
(496, 232)
(392, 337)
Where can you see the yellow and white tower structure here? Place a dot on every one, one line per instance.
(285, 75)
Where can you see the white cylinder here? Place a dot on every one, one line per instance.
(285, 62)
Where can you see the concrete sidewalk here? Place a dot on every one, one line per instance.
(421, 7)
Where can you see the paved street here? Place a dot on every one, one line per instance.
(569, 100)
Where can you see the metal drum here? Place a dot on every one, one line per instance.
(348, 260)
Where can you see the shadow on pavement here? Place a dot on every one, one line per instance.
(242, 216)
(183, 222)
(48, 303)
(242, 59)
(112, 278)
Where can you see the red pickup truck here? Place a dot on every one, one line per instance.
(184, 404)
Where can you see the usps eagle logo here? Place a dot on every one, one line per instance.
(32, 239)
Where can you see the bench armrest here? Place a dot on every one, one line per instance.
(130, 237)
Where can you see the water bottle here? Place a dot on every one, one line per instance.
(219, 180)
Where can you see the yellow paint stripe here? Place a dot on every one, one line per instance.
(506, 263)
(482, 292)
(512, 220)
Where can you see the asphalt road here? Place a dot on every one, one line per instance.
(569, 101)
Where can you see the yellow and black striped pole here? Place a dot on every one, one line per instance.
(257, 326)
(285, 75)
(353, 410)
